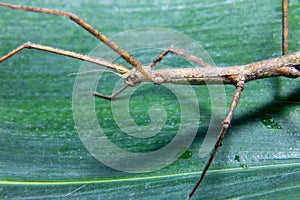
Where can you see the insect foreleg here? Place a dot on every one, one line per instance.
(125, 55)
(120, 68)
(183, 53)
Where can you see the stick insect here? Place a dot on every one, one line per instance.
(287, 65)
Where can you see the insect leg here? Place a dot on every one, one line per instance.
(183, 53)
(226, 124)
(125, 55)
(110, 97)
(284, 27)
(120, 68)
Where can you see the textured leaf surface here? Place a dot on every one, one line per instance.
(42, 157)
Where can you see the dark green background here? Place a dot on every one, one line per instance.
(41, 155)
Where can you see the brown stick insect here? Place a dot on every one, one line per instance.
(286, 65)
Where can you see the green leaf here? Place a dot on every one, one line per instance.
(42, 156)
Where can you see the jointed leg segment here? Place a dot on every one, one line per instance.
(99, 61)
(226, 124)
(125, 55)
(185, 54)
(236, 98)
(110, 97)
(120, 68)
(284, 27)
